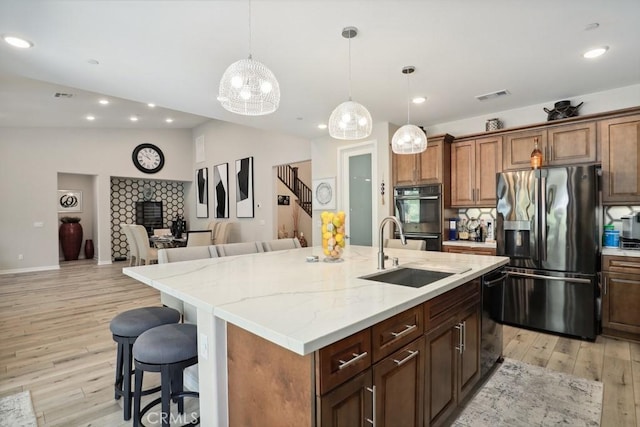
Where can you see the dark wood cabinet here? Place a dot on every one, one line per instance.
(620, 139)
(452, 356)
(399, 382)
(472, 250)
(149, 214)
(621, 296)
(349, 405)
(474, 164)
(428, 167)
(560, 145)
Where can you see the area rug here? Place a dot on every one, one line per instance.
(519, 394)
(17, 411)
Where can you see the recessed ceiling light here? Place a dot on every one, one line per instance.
(168, 120)
(594, 53)
(18, 42)
(104, 101)
(151, 105)
(322, 126)
(419, 100)
(90, 118)
(133, 118)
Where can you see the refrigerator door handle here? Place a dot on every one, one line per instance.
(539, 276)
(536, 220)
(542, 210)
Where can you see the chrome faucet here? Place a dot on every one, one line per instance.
(381, 240)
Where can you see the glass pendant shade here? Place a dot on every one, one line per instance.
(409, 139)
(249, 88)
(350, 120)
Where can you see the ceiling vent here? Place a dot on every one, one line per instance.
(492, 95)
(62, 95)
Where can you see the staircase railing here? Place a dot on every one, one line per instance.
(289, 177)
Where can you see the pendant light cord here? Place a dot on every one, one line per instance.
(250, 56)
(408, 102)
(349, 66)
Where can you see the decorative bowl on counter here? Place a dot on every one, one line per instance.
(333, 235)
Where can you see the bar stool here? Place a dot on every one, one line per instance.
(126, 327)
(168, 349)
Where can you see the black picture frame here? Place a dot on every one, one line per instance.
(284, 200)
(202, 193)
(221, 190)
(244, 188)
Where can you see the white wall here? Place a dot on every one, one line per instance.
(228, 142)
(30, 161)
(598, 102)
(324, 156)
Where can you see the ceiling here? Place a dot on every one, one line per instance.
(173, 53)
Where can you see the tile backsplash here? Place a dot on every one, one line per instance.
(610, 214)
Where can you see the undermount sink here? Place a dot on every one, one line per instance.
(413, 277)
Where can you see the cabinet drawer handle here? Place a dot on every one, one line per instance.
(407, 329)
(355, 358)
(605, 285)
(411, 355)
(625, 264)
(372, 420)
(460, 328)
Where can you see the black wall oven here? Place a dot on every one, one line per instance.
(419, 209)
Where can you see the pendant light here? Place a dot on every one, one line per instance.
(409, 139)
(350, 120)
(248, 87)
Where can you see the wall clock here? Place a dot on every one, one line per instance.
(148, 158)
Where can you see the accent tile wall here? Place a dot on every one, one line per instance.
(125, 192)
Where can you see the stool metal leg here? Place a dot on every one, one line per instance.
(127, 381)
(137, 397)
(165, 375)
(118, 382)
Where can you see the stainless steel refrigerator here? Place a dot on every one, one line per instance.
(547, 223)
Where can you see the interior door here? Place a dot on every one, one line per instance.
(357, 176)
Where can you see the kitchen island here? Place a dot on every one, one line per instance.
(292, 305)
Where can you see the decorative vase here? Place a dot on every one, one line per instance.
(88, 249)
(71, 240)
(333, 235)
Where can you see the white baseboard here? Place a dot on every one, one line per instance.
(30, 269)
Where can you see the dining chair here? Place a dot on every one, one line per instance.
(213, 226)
(413, 244)
(281, 244)
(221, 235)
(134, 258)
(161, 232)
(199, 238)
(146, 253)
(241, 248)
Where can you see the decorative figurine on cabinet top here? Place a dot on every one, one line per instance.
(562, 110)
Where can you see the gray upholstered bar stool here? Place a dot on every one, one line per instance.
(168, 349)
(126, 327)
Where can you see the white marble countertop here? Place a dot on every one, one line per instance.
(621, 252)
(304, 306)
(470, 243)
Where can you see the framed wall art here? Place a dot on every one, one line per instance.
(244, 188)
(69, 201)
(283, 200)
(324, 193)
(202, 193)
(221, 190)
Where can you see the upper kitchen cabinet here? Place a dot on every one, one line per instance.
(560, 145)
(620, 139)
(474, 164)
(428, 167)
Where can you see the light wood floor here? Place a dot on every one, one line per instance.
(55, 342)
